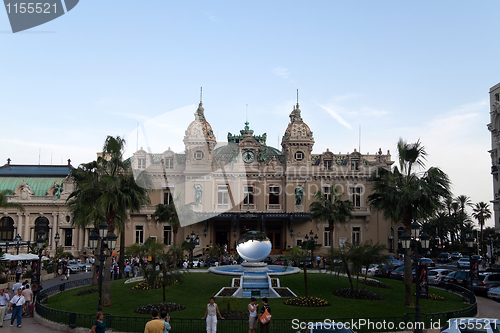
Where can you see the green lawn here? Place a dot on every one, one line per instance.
(197, 288)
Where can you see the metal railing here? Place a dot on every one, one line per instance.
(360, 325)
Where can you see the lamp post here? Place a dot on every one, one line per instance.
(406, 244)
(18, 241)
(107, 241)
(469, 240)
(40, 245)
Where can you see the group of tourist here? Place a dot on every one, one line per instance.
(19, 304)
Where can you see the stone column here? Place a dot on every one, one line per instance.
(26, 236)
(81, 235)
(20, 222)
(55, 225)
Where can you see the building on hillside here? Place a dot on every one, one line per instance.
(494, 128)
(239, 185)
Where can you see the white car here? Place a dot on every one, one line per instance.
(371, 270)
(463, 263)
(434, 276)
(472, 325)
(494, 293)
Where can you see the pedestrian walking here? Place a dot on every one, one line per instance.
(155, 325)
(98, 326)
(264, 327)
(211, 316)
(252, 320)
(28, 297)
(16, 305)
(4, 301)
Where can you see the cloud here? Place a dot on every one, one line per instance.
(211, 16)
(335, 115)
(282, 72)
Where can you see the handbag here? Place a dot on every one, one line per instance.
(265, 317)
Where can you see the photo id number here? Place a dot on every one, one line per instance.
(31, 7)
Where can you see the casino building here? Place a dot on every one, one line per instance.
(239, 185)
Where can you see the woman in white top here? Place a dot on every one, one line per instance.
(252, 308)
(211, 316)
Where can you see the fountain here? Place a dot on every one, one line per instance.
(255, 280)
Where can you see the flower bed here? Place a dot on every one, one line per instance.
(377, 284)
(86, 292)
(307, 302)
(145, 286)
(284, 292)
(170, 307)
(357, 294)
(227, 291)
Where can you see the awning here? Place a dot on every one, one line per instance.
(23, 256)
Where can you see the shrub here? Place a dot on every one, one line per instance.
(86, 292)
(357, 294)
(170, 307)
(146, 286)
(27, 274)
(307, 302)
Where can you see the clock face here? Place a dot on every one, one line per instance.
(248, 156)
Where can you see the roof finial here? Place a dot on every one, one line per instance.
(201, 95)
(297, 98)
(8, 161)
(247, 114)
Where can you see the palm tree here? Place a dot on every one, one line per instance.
(481, 212)
(331, 210)
(405, 195)
(167, 214)
(297, 255)
(106, 190)
(4, 202)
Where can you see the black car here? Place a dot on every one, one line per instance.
(385, 271)
(461, 278)
(444, 257)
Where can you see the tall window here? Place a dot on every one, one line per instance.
(274, 195)
(356, 235)
(167, 197)
(326, 235)
(68, 237)
(6, 228)
(327, 164)
(354, 165)
(139, 234)
(167, 235)
(326, 192)
(356, 196)
(169, 163)
(222, 195)
(248, 191)
(141, 163)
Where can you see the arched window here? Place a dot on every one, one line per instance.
(41, 223)
(6, 228)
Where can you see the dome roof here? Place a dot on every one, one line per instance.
(297, 129)
(199, 127)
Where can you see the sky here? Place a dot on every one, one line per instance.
(368, 73)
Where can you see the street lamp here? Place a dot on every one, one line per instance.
(469, 240)
(406, 244)
(107, 241)
(18, 241)
(40, 245)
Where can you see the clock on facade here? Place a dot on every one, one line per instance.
(248, 156)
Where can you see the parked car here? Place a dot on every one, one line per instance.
(463, 263)
(485, 281)
(385, 271)
(73, 268)
(427, 262)
(327, 327)
(448, 278)
(371, 270)
(85, 267)
(456, 256)
(461, 278)
(444, 257)
(434, 276)
(494, 293)
(391, 261)
(308, 263)
(493, 268)
(478, 258)
(471, 325)
(398, 273)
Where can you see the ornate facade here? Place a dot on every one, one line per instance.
(494, 128)
(236, 186)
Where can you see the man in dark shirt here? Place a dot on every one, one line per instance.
(264, 328)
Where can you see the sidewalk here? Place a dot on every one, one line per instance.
(30, 325)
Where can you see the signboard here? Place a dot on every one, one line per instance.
(423, 286)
